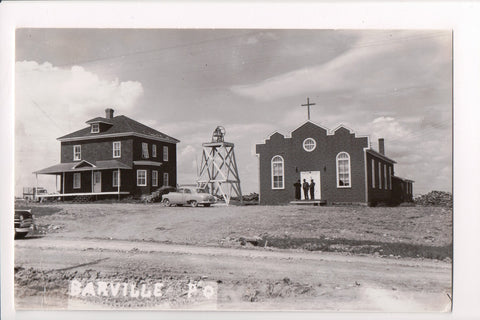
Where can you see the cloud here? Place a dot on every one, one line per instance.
(417, 149)
(372, 63)
(422, 152)
(51, 102)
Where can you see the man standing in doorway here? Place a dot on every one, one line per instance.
(305, 189)
(298, 188)
(312, 189)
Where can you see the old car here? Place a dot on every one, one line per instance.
(188, 195)
(23, 222)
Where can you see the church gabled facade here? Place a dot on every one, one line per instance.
(341, 164)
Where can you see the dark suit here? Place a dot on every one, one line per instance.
(305, 189)
(312, 190)
(298, 188)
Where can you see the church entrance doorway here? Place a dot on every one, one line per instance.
(308, 176)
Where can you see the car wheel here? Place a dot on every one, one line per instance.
(166, 202)
(194, 203)
(20, 235)
(206, 205)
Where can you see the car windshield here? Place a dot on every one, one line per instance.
(201, 191)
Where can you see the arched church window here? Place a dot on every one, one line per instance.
(343, 170)
(278, 173)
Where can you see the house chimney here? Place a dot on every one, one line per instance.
(381, 146)
(109, 113)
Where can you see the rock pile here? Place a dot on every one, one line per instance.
(435, 198)
(251, 197)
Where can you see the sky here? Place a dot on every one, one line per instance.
(395, 85)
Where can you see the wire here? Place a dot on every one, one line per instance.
(269, 58)
(151, 51)
(48, 116)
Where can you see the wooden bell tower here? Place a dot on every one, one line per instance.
(218, 169)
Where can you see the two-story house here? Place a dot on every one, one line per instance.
(115, 155)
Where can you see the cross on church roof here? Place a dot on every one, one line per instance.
(308, 104)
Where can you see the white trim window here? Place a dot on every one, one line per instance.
(373, 174)
(154, 150)
(141, 178)
(117, 149)
(278, 174)
(95, 128)
(309, 144)
(379, 175)
(385, 176)
(144, 150)
(390, 177)
(115, 178)
(165, 179)
(165, 153)
(154, 178)
(77, 152)
(77, 180)
(343, 170)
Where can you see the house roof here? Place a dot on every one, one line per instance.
(379, 155)
(83, 166)
(146, 163)
(403, 179)
(99, 119)
(120, 126)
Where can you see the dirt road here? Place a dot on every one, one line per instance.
(244, 278)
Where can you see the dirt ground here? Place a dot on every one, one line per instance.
(256, 257)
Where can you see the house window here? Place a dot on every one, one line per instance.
(373, 174)
(115, 177)
(277, 173)
(141, 178)
(144, 150)
(379, 175)
(95, 128)
(165, 179)
(117, 149)
(343, 170)
(390, 177)
(154, 178)
(385, 176)
(165, 153)
(76, 180)
(309, 144)
(77, 152)
(154, 150)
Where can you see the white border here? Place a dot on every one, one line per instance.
(461, 16)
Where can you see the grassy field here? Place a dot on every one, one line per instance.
(401, 231)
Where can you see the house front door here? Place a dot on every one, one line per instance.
(308, 176)
(97, 181)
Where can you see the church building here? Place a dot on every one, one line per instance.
(342, 166)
